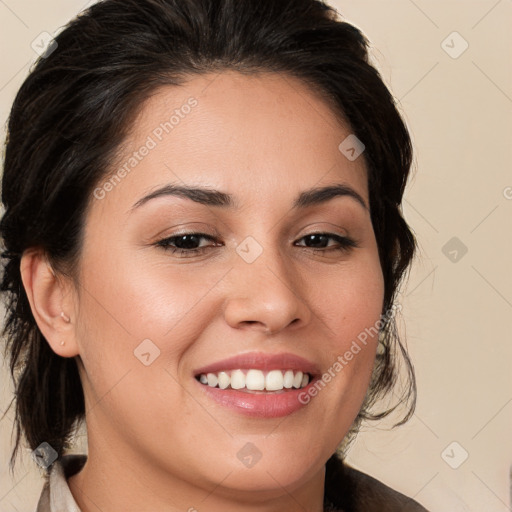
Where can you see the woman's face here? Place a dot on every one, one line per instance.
(273, 286)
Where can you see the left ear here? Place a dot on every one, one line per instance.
(51, 299)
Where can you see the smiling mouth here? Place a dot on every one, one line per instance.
(256, 381)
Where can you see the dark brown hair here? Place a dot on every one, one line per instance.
(75, 108)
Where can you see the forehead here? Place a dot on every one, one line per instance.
(254, 135)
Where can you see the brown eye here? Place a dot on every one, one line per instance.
(186, 243)
(320, 241)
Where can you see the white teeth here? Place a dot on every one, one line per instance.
(237, 379)
(288, 379)
(212, 379)
(274, 380)
(256, 380)
(223, 380)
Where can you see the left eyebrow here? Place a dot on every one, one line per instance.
(213, 197)
(320, 195)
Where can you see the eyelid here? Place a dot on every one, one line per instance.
(187, 229)
(324, 227)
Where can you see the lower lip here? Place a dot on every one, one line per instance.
(260, 405)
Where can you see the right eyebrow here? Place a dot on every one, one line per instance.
(201, 195)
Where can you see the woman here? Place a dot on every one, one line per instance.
(203, 244)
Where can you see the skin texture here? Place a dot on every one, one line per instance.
(157, 442)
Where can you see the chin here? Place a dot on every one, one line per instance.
(270, 470)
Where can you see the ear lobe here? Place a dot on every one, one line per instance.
(49, 295)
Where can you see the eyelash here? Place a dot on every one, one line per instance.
(345, 244)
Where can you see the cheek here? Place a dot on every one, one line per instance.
(125, 302)
(351, 302)
(135, 327)
(351, 307)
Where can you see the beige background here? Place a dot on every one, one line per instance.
(457, 313)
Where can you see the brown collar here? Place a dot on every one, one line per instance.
(350, 490)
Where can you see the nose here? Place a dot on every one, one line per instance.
(266, 295)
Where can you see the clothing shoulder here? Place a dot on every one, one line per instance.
(352, 490)
(56, 496)
(373, 495)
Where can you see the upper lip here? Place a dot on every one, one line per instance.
(261, 361)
